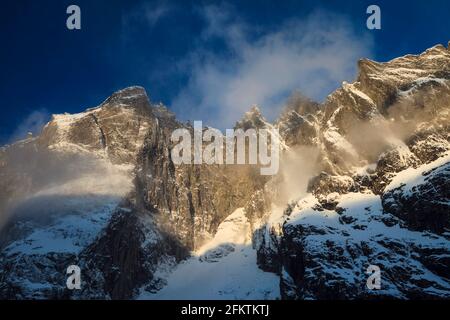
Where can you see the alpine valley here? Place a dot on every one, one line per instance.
(364, 180)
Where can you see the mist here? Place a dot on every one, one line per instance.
(297, 166)
(402, 120)
(42, 184)
(313, 55)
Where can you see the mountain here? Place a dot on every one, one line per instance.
(381, 193)
(364, 180)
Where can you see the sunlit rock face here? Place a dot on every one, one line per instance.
(116, 129)
(72, 144)
(363, 181)
(64, 188)
(190, 200)
(109, 171)
(381, 195)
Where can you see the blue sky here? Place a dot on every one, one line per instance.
(206, 60)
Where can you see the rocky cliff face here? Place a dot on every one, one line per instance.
(145, 210)
(381, 197)
(363, 181)
(189, 200)
(115, 130)
(66, 190)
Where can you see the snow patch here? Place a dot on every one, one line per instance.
(224, 268)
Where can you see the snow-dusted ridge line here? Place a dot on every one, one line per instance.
(411, 177)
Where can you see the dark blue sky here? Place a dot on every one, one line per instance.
(49, 69)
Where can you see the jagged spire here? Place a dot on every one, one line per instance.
(252, 119)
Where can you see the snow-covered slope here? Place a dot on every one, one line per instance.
(223, 268)
(338, 246)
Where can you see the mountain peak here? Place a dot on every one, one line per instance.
(432, 63)
(127, 96)
(254, 112)
(252, 119)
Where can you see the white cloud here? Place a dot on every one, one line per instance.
(147, 13)
(33, 123)
(154, 13)
(313, 55)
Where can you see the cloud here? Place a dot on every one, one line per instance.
(313, 55)
(33, 123)
(154, 14)
(147, 13)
